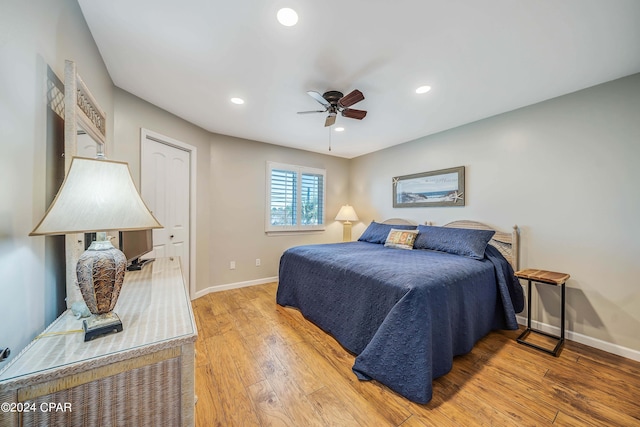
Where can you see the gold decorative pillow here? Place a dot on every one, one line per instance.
(401, 239)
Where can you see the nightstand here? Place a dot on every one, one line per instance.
(548, 278)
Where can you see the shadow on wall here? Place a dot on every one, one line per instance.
(578, 307)
(54, 258)
(580, 311)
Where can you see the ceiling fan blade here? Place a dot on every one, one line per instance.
(351, 98)
(309, 112)
(354, 114)
(318, 97)
(331, 119)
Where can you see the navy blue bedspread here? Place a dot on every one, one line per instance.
(404, 313)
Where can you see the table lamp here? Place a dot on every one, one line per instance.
(346, 214)
(98, 195)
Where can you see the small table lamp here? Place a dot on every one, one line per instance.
(98, 195)
(346, 214)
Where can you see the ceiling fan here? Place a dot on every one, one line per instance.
(335, 102)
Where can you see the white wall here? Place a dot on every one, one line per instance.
(566, 172)
(34, 34)
(131, 115)
(238, 200)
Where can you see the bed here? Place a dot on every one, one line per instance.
(405, 314)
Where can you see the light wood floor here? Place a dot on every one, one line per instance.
(259, 364)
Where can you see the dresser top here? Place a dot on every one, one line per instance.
(155, 311)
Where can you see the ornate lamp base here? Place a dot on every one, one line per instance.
(101, 324)
(100, 273)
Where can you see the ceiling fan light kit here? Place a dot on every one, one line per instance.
(335, 102)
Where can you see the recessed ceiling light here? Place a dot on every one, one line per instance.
(238, 101)
(339, 129)
(423, 89)
(287, 17)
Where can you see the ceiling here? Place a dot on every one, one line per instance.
(481, 58)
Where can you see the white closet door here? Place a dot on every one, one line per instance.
(165, 172)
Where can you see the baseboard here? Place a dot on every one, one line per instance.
(584, 339)
(236, 285)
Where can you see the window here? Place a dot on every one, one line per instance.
(295, 198)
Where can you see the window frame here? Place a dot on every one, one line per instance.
(299, 171)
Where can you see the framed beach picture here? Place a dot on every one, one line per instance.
(443, 187)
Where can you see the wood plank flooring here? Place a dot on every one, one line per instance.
(259, 364)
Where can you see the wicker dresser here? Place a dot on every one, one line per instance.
(142, 376)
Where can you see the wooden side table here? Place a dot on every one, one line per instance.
(549, 278)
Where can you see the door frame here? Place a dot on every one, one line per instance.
(193, 157)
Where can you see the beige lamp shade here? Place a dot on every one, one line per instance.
(347, 213)
(96, 195)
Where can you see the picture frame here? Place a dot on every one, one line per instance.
(444, 187)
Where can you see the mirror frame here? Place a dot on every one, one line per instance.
(80, 109)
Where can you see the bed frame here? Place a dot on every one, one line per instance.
(506, 243)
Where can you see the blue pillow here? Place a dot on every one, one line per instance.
(458, 241)
(377, 233)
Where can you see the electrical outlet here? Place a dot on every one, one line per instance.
(232, 265)
(257, 262)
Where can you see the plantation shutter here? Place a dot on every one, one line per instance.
(295, 198)
(283, 206)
